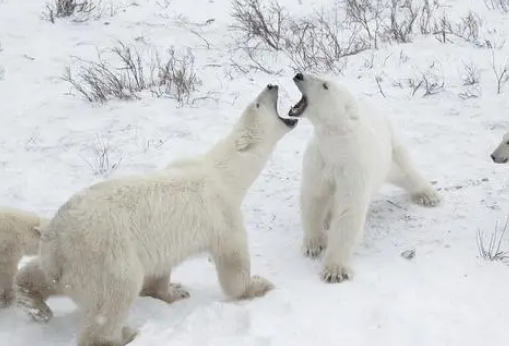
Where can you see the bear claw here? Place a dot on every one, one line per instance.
(428, 198)
(314, 247)
(336, 273)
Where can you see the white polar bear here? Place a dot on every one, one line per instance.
(501, 152)
(19, 236)
(123, 236)
(352, 152)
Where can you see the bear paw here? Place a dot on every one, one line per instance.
(177, 292)
(258, 287)
(313, 247)
(427, 198)
(335, 273)
(39, 311)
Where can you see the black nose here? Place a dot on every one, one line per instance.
(492, 157)
(299, 76)
(272, 86)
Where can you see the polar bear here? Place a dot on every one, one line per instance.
(19, 236)
(120, 238)
(352, 152)
(501, 152)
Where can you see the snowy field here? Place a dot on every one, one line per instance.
(442, 83)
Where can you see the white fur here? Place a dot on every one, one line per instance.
(353, 151)
(501, 152)
(120, 238)
(19, 236)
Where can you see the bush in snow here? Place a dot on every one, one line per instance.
(499, 5)
(124, 71)
(322, 40)
(493, 250)
(79, 10)
(67, 8)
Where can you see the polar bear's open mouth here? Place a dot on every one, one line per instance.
(299, 108)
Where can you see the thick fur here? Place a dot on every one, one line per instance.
(501, 152)
(120, 238)
(19, 236)
(352, 152)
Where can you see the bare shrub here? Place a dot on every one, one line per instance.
(79, 10)
(429, 82)
(366, 15)
(471, 92)
(262, 29)
(102, 163)
(133, 71)
(470, 78)
(261, 23)
(432, 85)
(175, 76)
(67, 8)
(493, 250)
(378, 81)
(426, 20)
(398, 20)
(442, 28)
(314, 42)
(501, 73)
(467, 29)
(321, 42)
(499, 5)
(470, 75)
(391, 20)
(403, 16)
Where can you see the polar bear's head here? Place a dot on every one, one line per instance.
(501, 152)
(321, 98)
(260, 124)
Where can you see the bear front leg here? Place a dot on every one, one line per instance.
(231, 257)
(316, 199)
(161, 288)
(347, 228)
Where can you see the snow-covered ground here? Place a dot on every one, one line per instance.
(446, 295)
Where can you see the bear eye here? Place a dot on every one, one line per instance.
(257, 105)
(325, 86)
(507, 142)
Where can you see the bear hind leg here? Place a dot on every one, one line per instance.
(405, 175)
(106, 311)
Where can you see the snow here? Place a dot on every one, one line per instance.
(445, 295)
